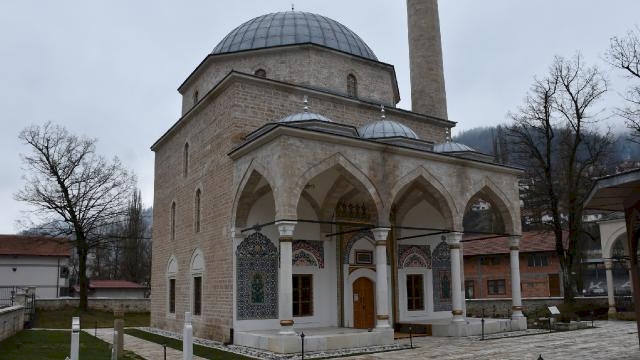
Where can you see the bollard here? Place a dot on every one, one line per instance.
(164, 346)
(75, 338)
(302, 340)
(592, 315)
(187, 338)
(118, 325)
(411, 336)
(482, 321)
(540, 357)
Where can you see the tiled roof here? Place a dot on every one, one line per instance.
(34, 245)
(114, 284)
(532, 241)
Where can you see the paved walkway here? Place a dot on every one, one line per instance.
(608, 340)
(146, 349)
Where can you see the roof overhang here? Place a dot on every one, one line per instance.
(612, 193)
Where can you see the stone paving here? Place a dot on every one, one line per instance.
(607, 340)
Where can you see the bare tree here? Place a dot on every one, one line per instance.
(624, 54)
(555, 139)
(135, 262)
(72, 188)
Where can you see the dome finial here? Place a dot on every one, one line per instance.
(293, 8)
(382, 116)
(305, 101)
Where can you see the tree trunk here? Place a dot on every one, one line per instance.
(82, 274)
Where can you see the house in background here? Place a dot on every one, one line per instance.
(35, 262)
(487, 267)
(114, 289)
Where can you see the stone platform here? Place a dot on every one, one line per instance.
(315, 340)
(473, 326)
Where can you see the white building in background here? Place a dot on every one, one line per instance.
(35, 262)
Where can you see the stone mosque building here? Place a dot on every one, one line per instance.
(293, 195)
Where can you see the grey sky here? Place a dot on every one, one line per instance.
(109, 69)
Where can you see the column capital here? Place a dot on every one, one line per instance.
(454, 238)
(286, 227)
(514, 241)
(608, 264)
(380, 233)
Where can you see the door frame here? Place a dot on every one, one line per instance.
(348, 293)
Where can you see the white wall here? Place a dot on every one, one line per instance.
(41, 272)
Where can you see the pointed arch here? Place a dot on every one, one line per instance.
(488, 190)
(434, 187)
(350, 171)
(611, 240)
(245, 192)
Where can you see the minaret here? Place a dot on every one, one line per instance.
(425, 58)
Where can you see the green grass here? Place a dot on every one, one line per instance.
(61, 319)
(46, 344)
(198, 350)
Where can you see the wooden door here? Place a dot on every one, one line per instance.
(363, 310)
(554, 285)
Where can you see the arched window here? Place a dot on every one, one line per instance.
(197, 272)
(185, 160)
(195, 96)
(172, 271)
(197, 208)
(173, 221)
(261, 73)
(352, 86)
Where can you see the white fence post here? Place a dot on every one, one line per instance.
(75, 338)
(187, 338)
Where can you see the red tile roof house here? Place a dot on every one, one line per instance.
(114, 289)
(34, 262)
(487, 268)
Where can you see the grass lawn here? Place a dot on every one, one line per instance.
(46, 344)
(199, 350)
(61, 319)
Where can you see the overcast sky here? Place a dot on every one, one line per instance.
(110, 69)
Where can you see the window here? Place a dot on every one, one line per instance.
(197, 214)
(173, 221)
(197, 295)
(352, 86)
(537, 260)
(496, 287)
(185, 160)
(261, 73)
(195, 96)
(172, 296)
(415, 292)
(302, 295)
(469, 290)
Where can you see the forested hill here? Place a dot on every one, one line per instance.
(483, 138)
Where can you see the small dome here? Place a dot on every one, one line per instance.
(290, 28)
(303, 116)
(450, 146)
(386, 129)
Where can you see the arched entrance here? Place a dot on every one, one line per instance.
(363, 306)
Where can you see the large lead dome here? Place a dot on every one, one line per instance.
(293, 27)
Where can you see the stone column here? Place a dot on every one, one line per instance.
(382, 286)
(285, 281)
(456, 277)
(608, 267)
(516, 295)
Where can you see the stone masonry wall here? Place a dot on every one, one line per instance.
(303, 65)
(127, 305)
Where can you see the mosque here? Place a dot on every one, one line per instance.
(293, 195)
